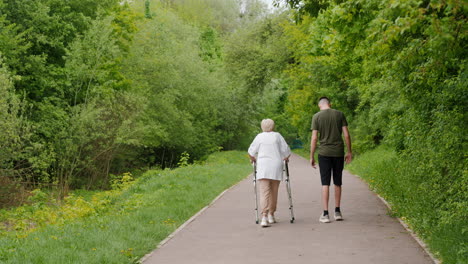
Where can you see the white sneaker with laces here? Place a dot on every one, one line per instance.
(264, 222)
(271, 219)
(324, 218)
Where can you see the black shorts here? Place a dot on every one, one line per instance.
(327, 166)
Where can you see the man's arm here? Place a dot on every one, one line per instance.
(349, 153)
(313, 146)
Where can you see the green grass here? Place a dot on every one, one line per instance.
(394, 179)
(305, 153)
(137, 220)
(85, 194)
(302, 152)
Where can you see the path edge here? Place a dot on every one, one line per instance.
(402, 222)
(405, 226)
(191, 219)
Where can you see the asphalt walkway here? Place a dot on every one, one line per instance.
(226, 232)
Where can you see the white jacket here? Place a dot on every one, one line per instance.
(270, 149)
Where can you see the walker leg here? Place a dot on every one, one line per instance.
(255, 191)
(288, 189)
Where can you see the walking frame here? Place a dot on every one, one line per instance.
(288, 189)
(255, 190)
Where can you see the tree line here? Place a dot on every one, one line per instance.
(94, 88)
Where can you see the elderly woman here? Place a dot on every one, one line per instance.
(269, 149)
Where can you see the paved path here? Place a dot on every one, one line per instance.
(226, 233)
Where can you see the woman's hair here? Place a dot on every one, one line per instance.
(267, 125)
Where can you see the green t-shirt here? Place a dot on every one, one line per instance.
(329, 123)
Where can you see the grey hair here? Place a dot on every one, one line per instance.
(267, 125)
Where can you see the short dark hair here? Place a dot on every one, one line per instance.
(324, 97)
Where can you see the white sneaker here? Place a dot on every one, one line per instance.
(271, 219)
(324, 218)
(338, 216)
(264, 222)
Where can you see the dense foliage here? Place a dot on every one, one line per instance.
(61, 63)
(89, 89)
(398, 70)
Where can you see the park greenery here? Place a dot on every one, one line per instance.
(95, 93)
(122, 224)
(398, 70)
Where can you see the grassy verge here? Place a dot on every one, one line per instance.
(133, 222)
(425, 212)
(305, 153)
(302, 152)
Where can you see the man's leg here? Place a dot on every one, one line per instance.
(325, 196)
(325, 165)
(338, 164)
(337, 196)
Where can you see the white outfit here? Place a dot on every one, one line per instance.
(270, 148)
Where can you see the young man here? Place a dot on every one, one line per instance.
(327, 126)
